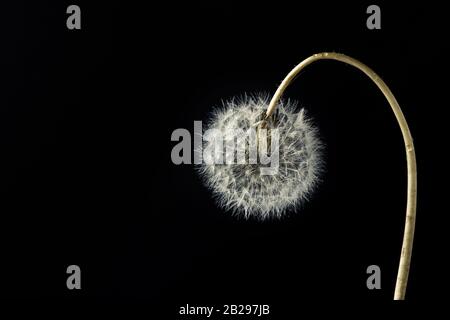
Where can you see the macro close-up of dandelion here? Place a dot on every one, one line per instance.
(224, 159)
(243, 188)
(246, 188)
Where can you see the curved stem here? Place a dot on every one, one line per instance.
(405, 257)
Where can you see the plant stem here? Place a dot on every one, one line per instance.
(408, 237)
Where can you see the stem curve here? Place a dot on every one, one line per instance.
(408, 236)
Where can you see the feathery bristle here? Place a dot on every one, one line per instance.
(241, 187)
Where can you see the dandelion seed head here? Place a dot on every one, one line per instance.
(241, 187)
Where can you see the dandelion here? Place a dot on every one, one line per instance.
(241, 187)
(245, 188)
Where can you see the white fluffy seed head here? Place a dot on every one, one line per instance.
(241, 187)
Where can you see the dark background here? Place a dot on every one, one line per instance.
(86, 176)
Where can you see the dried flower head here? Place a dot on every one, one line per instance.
(255, 188)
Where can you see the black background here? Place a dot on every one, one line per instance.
(86, 177)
